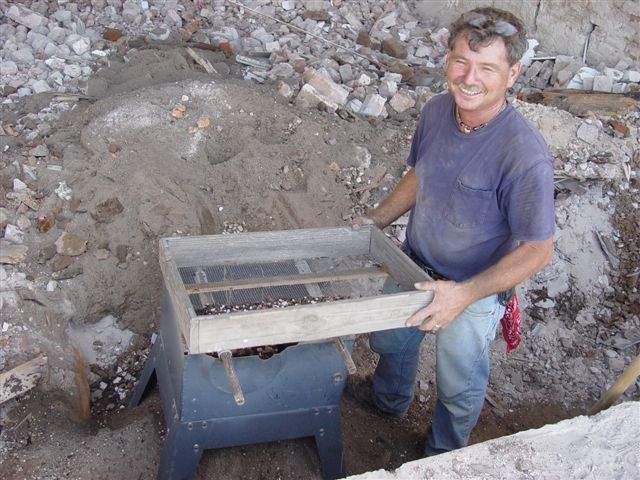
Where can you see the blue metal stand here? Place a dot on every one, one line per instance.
(293, 394)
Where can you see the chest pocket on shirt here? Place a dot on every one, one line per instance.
(469, 207)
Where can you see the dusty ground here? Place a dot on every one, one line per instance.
(264, 164)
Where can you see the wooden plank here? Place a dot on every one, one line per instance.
(300, 279)
(580, 103)
(178, 295)
(400, 266)
(22, 378)
(262, 247)
(307, 322)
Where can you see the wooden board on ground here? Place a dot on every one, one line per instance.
(580, 103)
(21, 379)
(295, 323)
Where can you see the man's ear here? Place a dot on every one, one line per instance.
(514, 73)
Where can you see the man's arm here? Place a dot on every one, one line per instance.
(400, 201)
(451, 298)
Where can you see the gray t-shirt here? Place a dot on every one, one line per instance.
(479, 194)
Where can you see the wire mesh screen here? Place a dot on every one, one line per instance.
(221, 273)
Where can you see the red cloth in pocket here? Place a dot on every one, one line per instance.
(511, 326)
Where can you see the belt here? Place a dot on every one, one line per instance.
(503, 297)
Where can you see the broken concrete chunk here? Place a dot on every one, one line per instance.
(326, 87)
(588, 133)
(614, 74)
(71, 245)
(346, 73)
(373, 105)
(60, 262)
(363, 157)
(309, 97)
(19, 185)
(285, 90)
(39, 151)
(349, 15)
(4, 217)
(11, 253)
(25, 16)
(602, 83)
(388, 88)
(100, 343)
(13, 234)
(106, 211)
(631, 76)
(8, 67)
(402, 101)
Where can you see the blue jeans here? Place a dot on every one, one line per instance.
(462, 371)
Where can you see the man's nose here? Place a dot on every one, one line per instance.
(469, 77)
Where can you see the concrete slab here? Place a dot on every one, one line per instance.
(604, 446)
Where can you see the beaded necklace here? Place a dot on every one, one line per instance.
(466, 129)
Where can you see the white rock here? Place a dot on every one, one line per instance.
(63, 191)
(40, 86)
(324, 85)
(8, 67)
(288, 5)
(354, 105)
(588, 133)
(271, 47)
(51, 50)
(346, 72)
(602, 83)
(388, 88)
(62, 16)
(363, 157)
(25, 16)
(58, 34)
(19, 185)
(613, 74)
(393, 77)
(81, 46)
(13, 234)
(423, 51)
(364, 80)
(55, 63)
(620, 87)
(402, 101)
(74, 71)
(23, 56)
(373, 105)
(37, 41)
(57, 78)
(309, 97)
(631, 76)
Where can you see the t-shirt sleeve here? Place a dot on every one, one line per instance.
(527, 203)
(417, 139)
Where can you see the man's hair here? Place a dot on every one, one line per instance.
(482, 26)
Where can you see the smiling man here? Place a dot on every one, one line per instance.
(480, 192)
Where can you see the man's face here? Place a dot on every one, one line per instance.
(479, 80)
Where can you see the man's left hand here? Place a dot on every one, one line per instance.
(449, 300)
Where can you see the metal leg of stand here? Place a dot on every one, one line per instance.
(329, 443)
(147, 377)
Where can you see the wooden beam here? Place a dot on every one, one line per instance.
(580, 103)
(306, 322)
(300, 279)
(262, 247)
(392, 259)
(22, 378)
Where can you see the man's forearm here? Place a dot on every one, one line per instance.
(399, 202)
(515, 267)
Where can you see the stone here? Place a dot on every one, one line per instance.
(70, 244)
(51, 50)
(63, 16)
(587, 84)
(25, 16)
(373, 105)
(402, 101)
(81, 45)
(13, 234)
(326, 87)
(60, 262)
(614, 74)
(394, 47)
(354, 105)
(271, 47)
(73, 71)
(39, 151)
(388, 88)
(4, 217)
(285, 90)
(317, 15)
(588, 133)
(11, 253)
(40, 86)
(112, 34)
(281, 70)
(349, 15)
(363, 39)
(38, 41)
(364, 80)
(106, 211)
(602, 83)
(8, 67)
(309, 97)
(57, 34)
(23, 56)
(19, 185)
(362, 157)
(346, 73)
(288, 5)
(631, 76)
(620, 87)
(423, 51)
